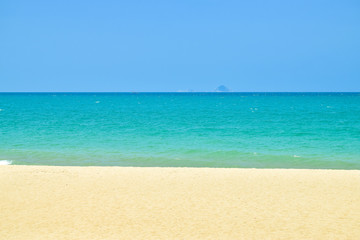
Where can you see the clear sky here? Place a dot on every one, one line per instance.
(120, 45)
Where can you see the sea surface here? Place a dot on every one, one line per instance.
(243, 130)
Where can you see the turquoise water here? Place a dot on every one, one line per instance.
(251, 130)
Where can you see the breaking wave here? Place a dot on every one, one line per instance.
(5, 162)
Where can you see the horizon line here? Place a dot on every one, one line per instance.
(180, 92)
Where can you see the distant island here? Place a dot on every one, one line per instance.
(222, 88)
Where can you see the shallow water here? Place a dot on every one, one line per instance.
(273, 130)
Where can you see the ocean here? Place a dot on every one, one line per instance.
(229, 130)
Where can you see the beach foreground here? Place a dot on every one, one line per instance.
(38, 202)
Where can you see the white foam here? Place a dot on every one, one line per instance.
(295, 156)
(5, 162)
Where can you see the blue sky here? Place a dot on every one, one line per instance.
(179, 45)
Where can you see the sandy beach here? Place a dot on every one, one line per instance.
(38, 202)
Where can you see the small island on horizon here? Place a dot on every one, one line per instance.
(222, 88)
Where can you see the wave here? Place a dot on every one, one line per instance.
(5, 162)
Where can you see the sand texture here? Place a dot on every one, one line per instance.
(39, 202)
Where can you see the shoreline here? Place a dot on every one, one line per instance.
(57, 202)
(176, 167)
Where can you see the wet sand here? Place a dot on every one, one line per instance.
(38, 202)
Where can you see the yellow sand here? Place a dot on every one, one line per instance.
(177, 203)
